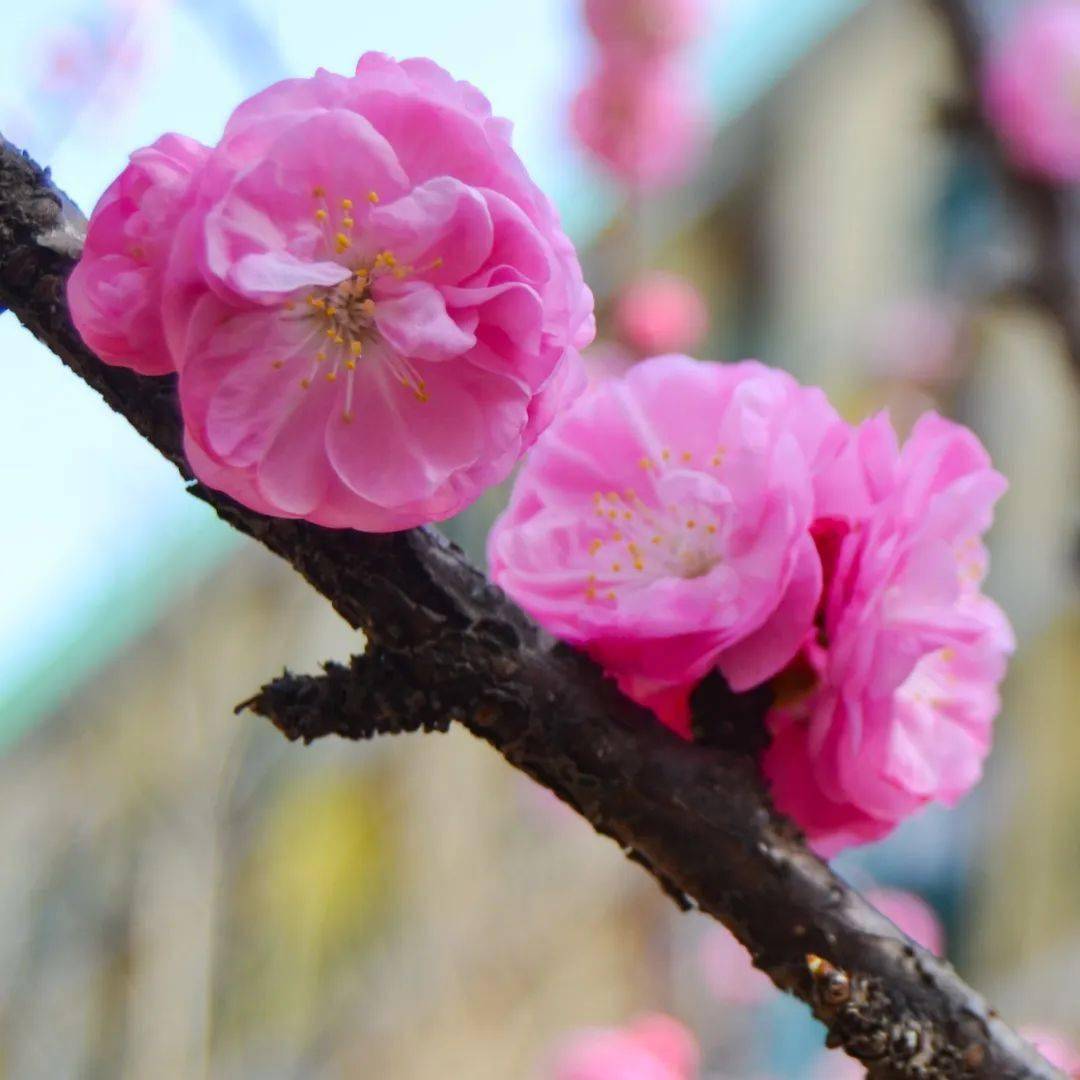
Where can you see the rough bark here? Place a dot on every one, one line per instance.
(444, 645)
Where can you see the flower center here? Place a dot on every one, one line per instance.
(341, 318)
(635, 542)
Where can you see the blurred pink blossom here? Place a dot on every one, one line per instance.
(642, 121)
(605, 360)
(913, 915)
(661, 313)
(890, 706)
(645, 28)
(1057, 1048)
(1032, 89)
(916, 340)
(654, 1047)
(729, 972)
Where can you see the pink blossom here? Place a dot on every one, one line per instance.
(1057, 1048)
(645, 28)
(1032, 89)
(662, 525)
(890, 706)
(654, 1047)
(372, 308)
(729, 972)
(911, 914)
(661, 313)
(641, 120)
(115, 291)
(604, 361)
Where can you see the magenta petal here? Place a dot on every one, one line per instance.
(415, 324)
(398, 448)
(442, 229)
(272, 272)
(763, 653)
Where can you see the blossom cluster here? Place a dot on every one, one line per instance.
(371, 313)
(372, 309)
(637, 113)
(697, 517)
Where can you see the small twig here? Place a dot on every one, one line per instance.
(1046, 206)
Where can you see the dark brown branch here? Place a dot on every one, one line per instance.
(444, 645)
(1048, 208)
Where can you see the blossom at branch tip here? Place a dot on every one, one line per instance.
(1032, 89)
(115, 290)
(661, 313)
(662, 524)
(654, 1047)
(889, 705)
(642, 120)
(372, 308)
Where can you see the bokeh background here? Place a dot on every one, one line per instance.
(183, 894)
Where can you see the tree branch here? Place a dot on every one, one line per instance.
(1048, 208)
(444, 644)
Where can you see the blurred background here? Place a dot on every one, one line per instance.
(183, 894)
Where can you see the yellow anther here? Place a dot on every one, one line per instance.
(350, 365)
(645, 463)
(356, 347)
(687, 456)
(616, 536)
(342, 242)
(348, 222)
(717, 460)
(666, 455)
(691, 524)
(595, 546)
(638, 564)
(305, 383)
(437, 263)
(316, 301)
(277, 365)
(320, 214)
(331, 333)
(616, 568)
(330, 311)
(338, 339)
(373, 196)
(627, 514)
(320, 356)
(347, 417)
(590, 593)
(367, 308)
(420, 396)
(346, 204)
(318, 191)
(331, 376)
(710, 529)
(656, 539)
(610, 595)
